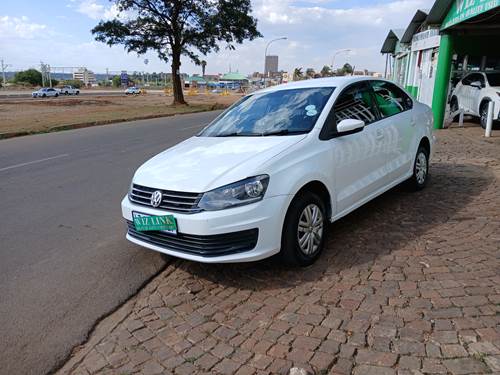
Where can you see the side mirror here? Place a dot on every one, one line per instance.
(476, 84)
(350, 126)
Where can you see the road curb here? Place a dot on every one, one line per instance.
(107, 323)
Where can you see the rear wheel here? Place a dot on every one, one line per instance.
(420, 169)
(304, 230)
(56, 95)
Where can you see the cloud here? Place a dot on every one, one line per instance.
(315, 30)
(96, 10)
(91, 9)
(21, 28)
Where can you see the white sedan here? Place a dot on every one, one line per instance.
(474, 92)
(269, 174)
(45, 92)
(132, 91)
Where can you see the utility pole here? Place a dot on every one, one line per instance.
(42, 68)
(4, 66)
(50, 78)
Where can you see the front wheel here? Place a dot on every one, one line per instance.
(420, 169)
(304, 230)
(483, 115)
(454, 108)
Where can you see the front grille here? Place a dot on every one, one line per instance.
(207, 246)
(174, 201)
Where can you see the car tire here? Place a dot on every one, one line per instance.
(420, 169)
(453, 108)
(77, 93)
(44, 96)
(304, 232)
(56, 95)
(483, 114)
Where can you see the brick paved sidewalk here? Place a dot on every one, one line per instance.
(408, 284)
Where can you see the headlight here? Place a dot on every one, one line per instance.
(239, 193)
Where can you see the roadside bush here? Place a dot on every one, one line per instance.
(117, 81)
(30, 76)
(72, 82)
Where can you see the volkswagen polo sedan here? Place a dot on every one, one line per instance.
(270, 173)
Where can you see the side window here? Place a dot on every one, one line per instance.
(478, 78)
(355, 102)
(467, 80)
(390, 99)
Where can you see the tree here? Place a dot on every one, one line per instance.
(178, 27)
(31, 76)
(326, 71)
(310, 73)
(117, 81)
(347, 69)
(203, 64)
(298, 74)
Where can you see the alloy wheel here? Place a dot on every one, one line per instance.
(310, 229)
(421, 168)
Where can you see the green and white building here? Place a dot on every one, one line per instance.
(442, 44)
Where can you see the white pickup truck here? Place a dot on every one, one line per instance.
(68, 90)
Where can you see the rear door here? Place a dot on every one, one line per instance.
(395, 108)
(358, 158)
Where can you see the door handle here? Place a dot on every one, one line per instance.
(413, 122)
(379, 135)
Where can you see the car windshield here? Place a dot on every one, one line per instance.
(493, 79)
(282, 112)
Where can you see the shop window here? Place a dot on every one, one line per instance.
(492, 63)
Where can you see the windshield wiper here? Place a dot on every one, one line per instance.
(285, 132)
(235, 134)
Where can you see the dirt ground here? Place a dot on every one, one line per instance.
(39, 115)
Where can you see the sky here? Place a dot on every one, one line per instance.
(57, 32)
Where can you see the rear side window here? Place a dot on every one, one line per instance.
(390, 99)
(355, 102)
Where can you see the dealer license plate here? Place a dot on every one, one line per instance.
(145, 223)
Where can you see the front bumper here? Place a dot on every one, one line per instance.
(266, 216)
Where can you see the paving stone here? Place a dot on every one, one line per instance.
(407, 285)
(464, 366)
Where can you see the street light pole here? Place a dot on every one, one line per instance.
(336, 53)
(265, 54)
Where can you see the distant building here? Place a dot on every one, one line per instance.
(271, 64)
(85, 75)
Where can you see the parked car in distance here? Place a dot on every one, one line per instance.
(474, 92)
(45, 92)
(132, 91)
(69, 90)
(270, 173)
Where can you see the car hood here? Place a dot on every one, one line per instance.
(200, 164)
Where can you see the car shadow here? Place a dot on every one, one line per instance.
(395, 220)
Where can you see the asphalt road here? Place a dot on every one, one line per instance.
(64, 262)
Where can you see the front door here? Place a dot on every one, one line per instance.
(359, 158)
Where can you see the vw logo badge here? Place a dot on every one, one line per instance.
(156, 198)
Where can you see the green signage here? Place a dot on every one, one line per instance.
(462, 10)
(145, 223)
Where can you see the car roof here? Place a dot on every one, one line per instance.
(320, 82)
